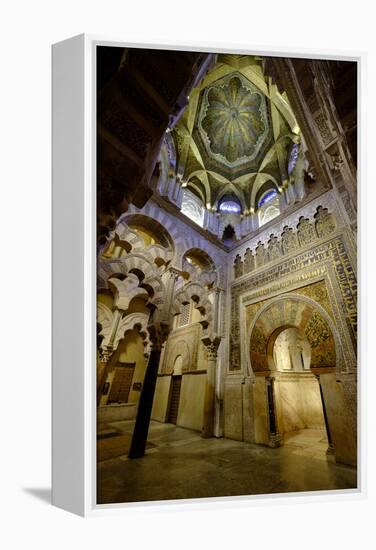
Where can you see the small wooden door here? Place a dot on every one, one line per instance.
(121, 383)
(174, 399)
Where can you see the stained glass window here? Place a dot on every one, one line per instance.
(268, 206)
(192, 207)
(229, 206)
(268, 197)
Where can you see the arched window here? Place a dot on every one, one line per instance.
(268, 206)
(229, 205)
(267, 197)
(192, 207)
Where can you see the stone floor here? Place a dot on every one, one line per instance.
(180, 464)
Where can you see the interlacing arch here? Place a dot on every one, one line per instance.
(199, 267)
(152, 225)
(131, 242)
(180, 242)
(147, 273)
(136, 322)
(194, 242)
(111, 333)
(139, 262)
(198, 294)
(105, 321)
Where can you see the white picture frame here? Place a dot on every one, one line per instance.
(74, 275)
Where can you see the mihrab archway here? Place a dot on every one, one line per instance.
(306, 315)
(315, 394)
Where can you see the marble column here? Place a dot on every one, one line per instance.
(218, 405)
(330, 451)
(102, 364)
(248, 410)
(209, 402)
(275, 439)
(141, 429)
(159, 329)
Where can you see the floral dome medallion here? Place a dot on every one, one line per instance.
(234, 123)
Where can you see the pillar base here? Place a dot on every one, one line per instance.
(330, 454)
(207, 432)
(275, 440)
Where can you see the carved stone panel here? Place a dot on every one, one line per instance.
(306, 231)
(332, 255)
(289, 240)
(238, 266)
(274, 248)
(182, 341)
(325, 222)
(323, 128)
(249, 261)
(260, 255)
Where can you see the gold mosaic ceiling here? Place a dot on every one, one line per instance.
(233, 121)
(236, 134)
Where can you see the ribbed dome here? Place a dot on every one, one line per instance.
(234, 121)
(236, 134)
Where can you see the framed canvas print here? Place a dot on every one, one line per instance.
(205, 274)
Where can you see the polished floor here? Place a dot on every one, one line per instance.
(179, 464)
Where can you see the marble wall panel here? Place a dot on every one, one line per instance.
(341, 421)
(233, 409)
(289, 410)
(248, 412)
(160, 403)
(311, 404)
(261, 411)
(191, 404)
(298, 404)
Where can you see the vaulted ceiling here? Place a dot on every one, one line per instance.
(236, 134)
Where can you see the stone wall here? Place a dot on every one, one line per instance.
(191, 404)
(161, 397)
(301, 273)
(298, 403)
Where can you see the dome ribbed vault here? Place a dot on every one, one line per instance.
(233, 121)
(236, 133)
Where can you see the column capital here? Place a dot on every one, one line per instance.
(211, 345)
(218, 289)
(158, 335)
(105, 354)
(174, 271)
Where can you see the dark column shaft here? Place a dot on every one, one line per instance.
(272, 422)
(101, 379)
(209, 400)
(325, 415)
(141, 428)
